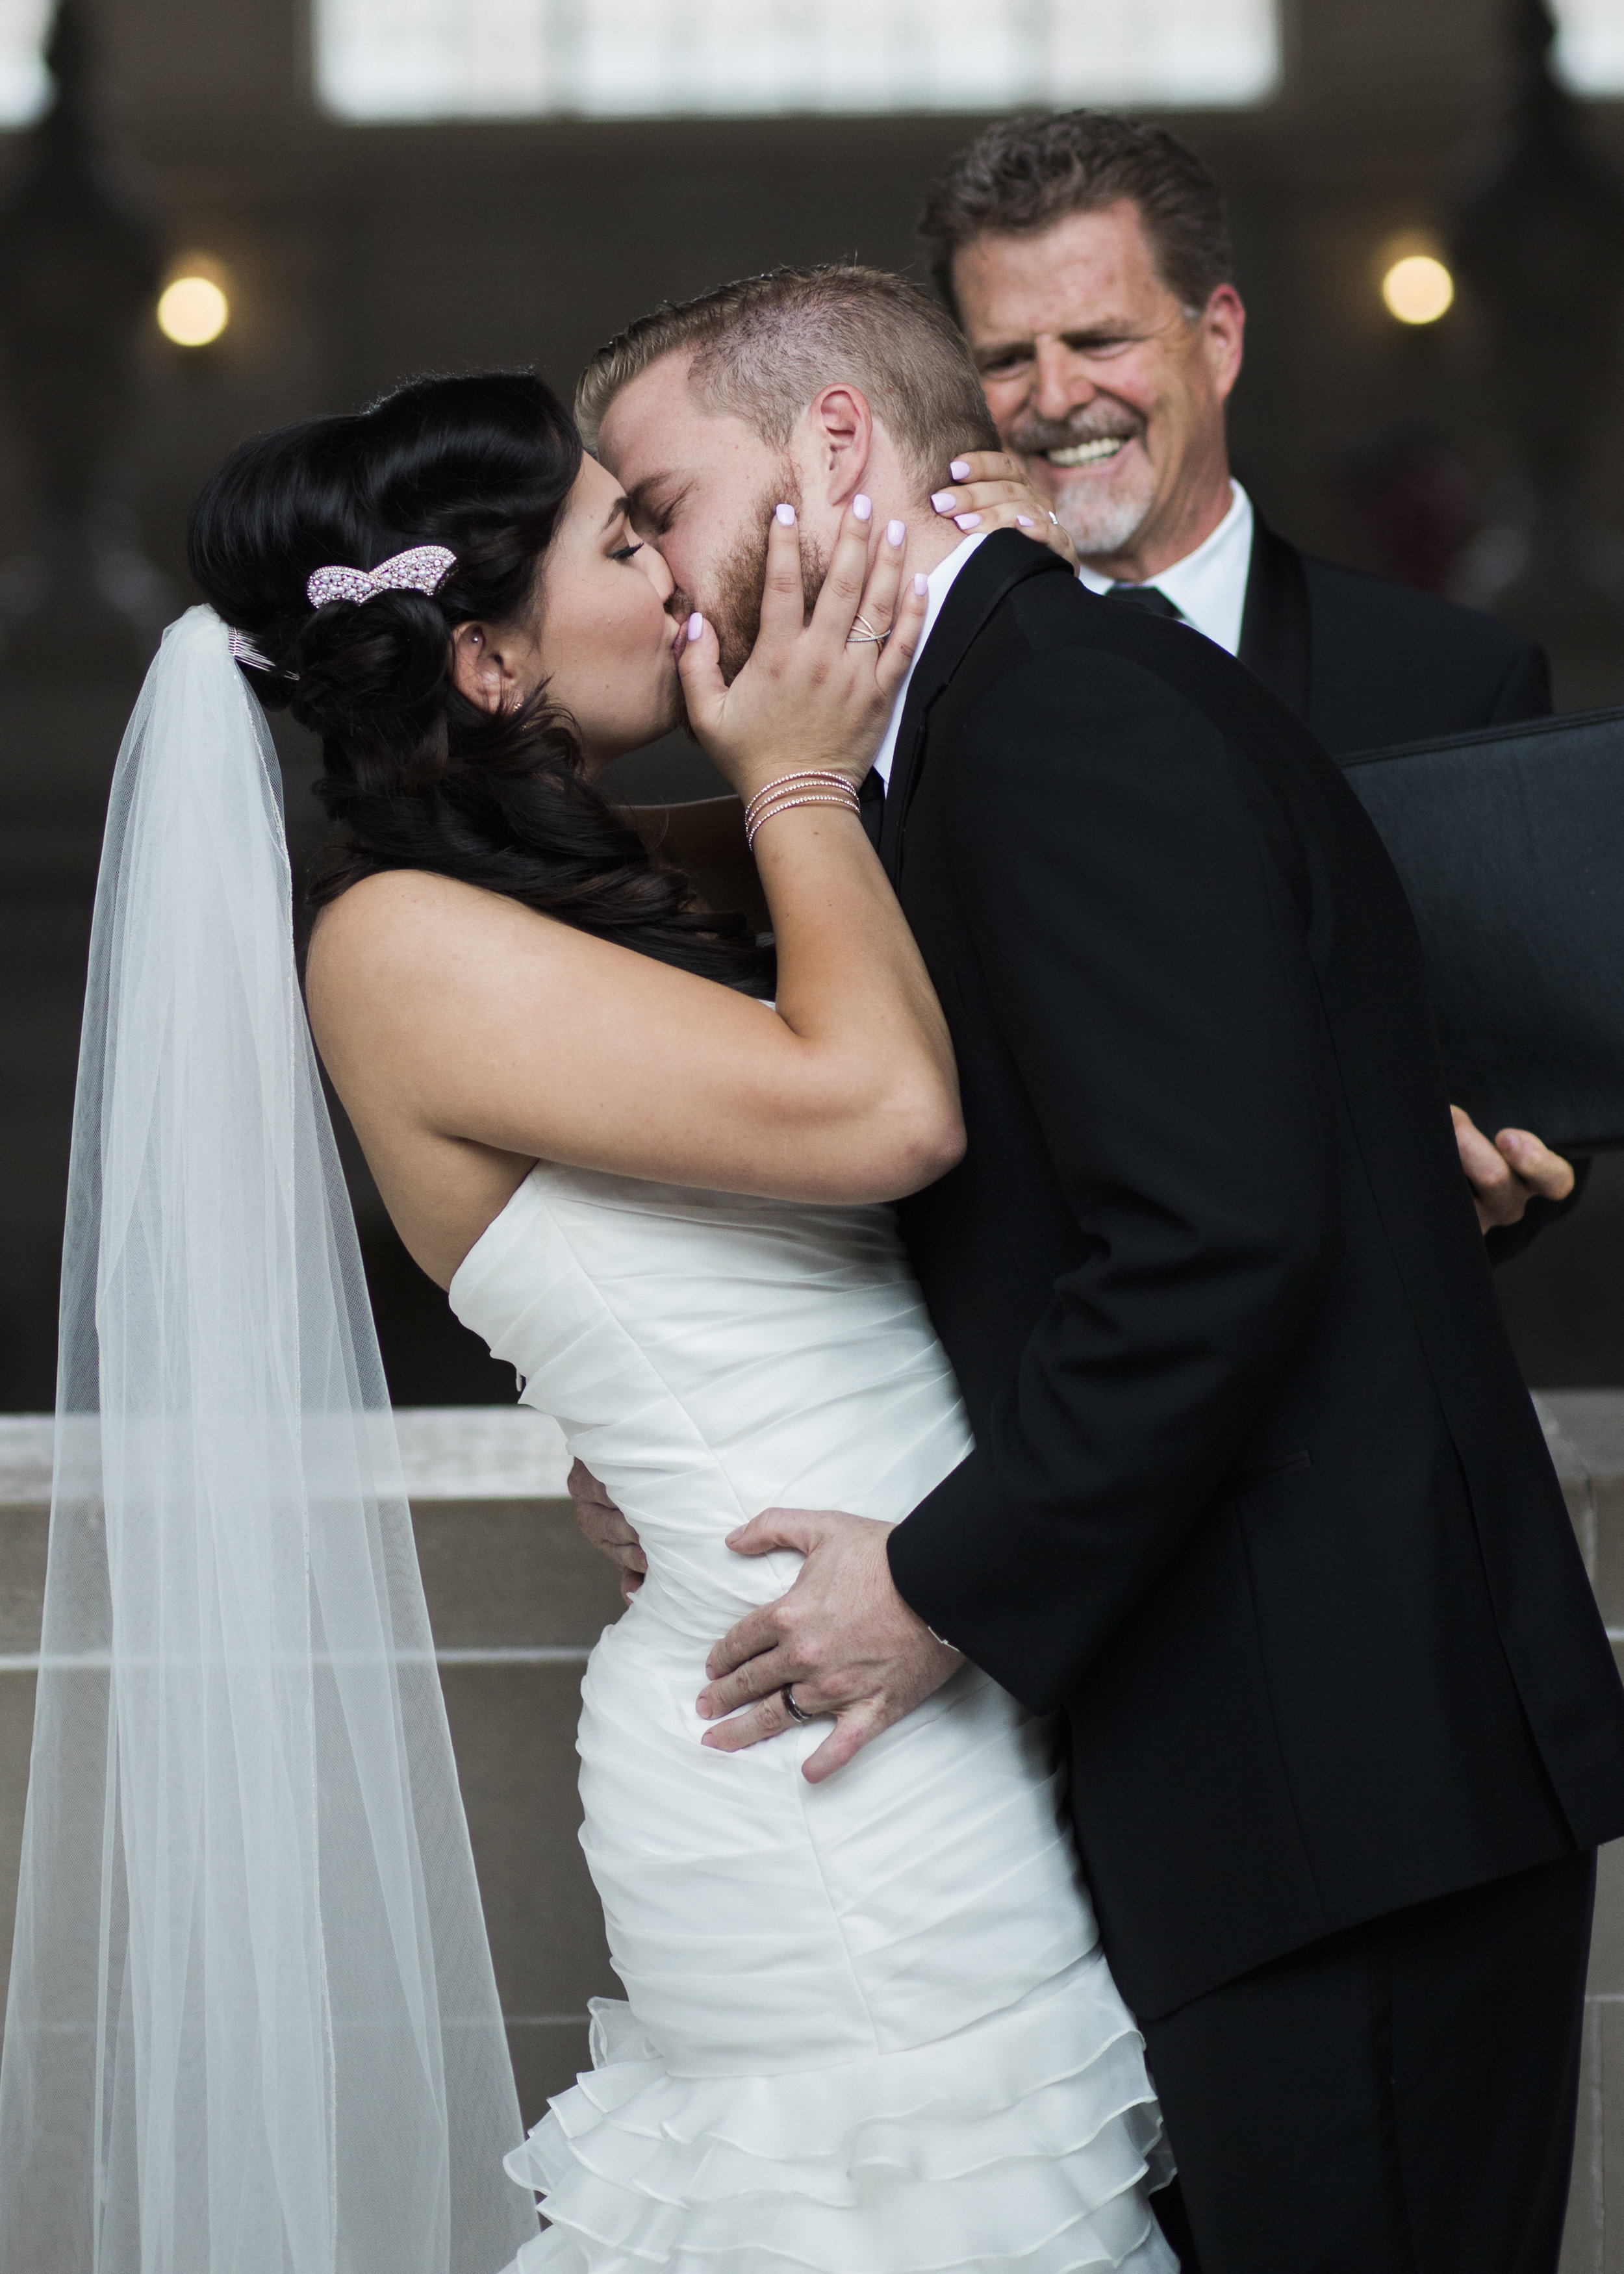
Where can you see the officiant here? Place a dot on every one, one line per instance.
(1087, 257)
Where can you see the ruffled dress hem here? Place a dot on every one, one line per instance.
(1029, 2142)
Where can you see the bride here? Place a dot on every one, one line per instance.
(868, 2029)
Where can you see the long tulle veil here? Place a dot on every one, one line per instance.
(251, 2026)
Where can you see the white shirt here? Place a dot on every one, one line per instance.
(940, 582)
(1208, 586)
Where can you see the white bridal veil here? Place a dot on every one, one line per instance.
(252, 2027)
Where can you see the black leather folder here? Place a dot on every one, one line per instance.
(1510, 844)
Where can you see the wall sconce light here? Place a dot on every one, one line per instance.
(195, 307)
(1416, 287)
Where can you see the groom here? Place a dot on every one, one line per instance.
(1258, 1498)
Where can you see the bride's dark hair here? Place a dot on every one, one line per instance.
(417, 776)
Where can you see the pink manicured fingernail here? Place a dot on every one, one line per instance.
(896, 531)
(944, 501)
(960, 469)
(921, 583)
(863, 506)
(696, 625)
(786, 515)
(1025, 521)
(967, 521)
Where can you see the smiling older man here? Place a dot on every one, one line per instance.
(1087, 259)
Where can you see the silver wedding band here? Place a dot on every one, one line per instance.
(796, 1715)
(864, 637)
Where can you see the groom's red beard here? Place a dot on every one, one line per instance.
(736, 611)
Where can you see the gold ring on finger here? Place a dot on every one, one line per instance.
(863, 634)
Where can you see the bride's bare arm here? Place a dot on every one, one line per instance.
(444, 1012)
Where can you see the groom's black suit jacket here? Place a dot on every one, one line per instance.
(1257, 1494)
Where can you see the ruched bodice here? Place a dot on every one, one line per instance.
(710, 1356)
(868, 2028)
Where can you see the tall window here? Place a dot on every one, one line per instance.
(379, 59)
(1589, 53)
(24, 81)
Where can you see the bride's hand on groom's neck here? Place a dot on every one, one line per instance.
(817, 692)
(993, 489)
(842, 1638)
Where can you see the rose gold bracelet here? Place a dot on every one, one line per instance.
(808, 780)
(795, 785)
(753, 829)
(788, 804)
(828, 790)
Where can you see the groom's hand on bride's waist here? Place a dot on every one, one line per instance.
(842, 1639)
(607, 1528)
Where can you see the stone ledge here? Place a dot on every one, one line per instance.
(448, 1452)
(515, 1599)
(1584, 1429)
(500, 1452)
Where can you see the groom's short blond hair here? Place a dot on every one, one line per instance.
(761, 349)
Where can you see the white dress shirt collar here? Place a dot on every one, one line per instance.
(1208, 586)
(941, 581)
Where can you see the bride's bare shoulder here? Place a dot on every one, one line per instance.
(401, 924)
(394, 901)
(406, 959)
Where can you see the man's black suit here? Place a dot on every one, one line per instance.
(1367, 664)
(1257, 1496)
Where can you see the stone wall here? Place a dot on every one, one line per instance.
(517, 1600)
(1585, 1429)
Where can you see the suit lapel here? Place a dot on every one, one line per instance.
(1005, 561)
(1275, 632)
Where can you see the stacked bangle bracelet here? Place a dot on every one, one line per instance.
(790, 790)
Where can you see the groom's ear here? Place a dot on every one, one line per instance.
(842, 437)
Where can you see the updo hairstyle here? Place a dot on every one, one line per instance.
(415, 775)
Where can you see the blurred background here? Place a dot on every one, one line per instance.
(219, 214)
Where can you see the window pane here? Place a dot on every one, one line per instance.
(1589, 53)
(1176, 51)
(24, 82)
(639, 58)
(429, 59)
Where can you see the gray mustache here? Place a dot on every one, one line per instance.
(1059, 434)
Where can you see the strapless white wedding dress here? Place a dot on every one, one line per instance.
(868, 2029)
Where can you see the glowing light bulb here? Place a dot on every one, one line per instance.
(193, 311)
(1418, 289)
